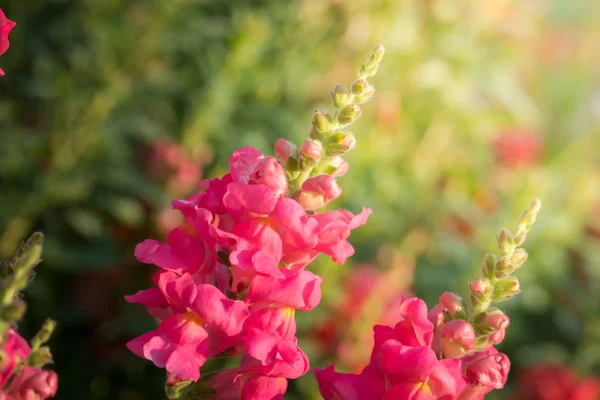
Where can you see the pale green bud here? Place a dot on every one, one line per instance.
(14, 311)
(339, 96)
(44, 334)
(339, 143)
(519, 257)
(505, 240)
(362, 91)
(503, 268)
(505, 289)
(489, 265)
(349, 114)
(322, 124)
(39, 357)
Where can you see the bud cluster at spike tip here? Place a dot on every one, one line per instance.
(6, 25)
(446, 353)
(313, 168)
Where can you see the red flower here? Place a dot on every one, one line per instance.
(6, 26)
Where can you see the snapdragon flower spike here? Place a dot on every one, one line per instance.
(404, 365)
(203, 324)
(6, 25)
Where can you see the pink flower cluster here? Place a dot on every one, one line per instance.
(6, 26)
(233, 276)
(29, 382)
(405, 364)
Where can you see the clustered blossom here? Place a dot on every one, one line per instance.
(404, 364)
(6, 25)
(18, 380)
(233, 276)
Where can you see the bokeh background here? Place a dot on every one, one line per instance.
(112, 108)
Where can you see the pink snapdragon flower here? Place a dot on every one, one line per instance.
(203, 324)
(6, 25)
(404, 366)
(30, 382)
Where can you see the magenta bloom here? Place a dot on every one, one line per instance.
(6, 25)
(204, 323)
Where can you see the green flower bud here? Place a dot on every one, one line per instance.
(503, 268)
(505, 240)
(519, 257)
(349, 114)
(489, 265)
(14, 311)
(339, 95)
(339, 143)
(44, 334)
(175, 390)
(362, 91)
(322, 124)
(505, 289)
(39, 357)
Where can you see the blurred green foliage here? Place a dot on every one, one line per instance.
(90, 85)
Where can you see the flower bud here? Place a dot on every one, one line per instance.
(458, 338)
(518, 258)
(44, 334)
(318, 191)
(287, 153)
(362, 91)
(312, 150)
(505, 240)
(333, 166)
(339, 143)
(480, 293)
(322, 124)
(453, 305)
(39, 357)
(491, 371)
(497, 337)
(492, 319)
(506, 288)
(34, 383)
(349, 114)
(14, 311)
(530, 215)
(488, 266)
(270, 173)
(339, 96)
(503, 268)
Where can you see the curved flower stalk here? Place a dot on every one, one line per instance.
(233, 276)
(6, 25)
(21, 373)
(446, 353)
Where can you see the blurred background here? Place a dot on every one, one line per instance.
(110, 109)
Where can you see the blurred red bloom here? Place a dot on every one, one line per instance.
(518, 148)
(553, 382)
(6, 26)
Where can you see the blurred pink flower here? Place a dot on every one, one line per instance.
(6, 25)
(553, 382)
(518, 148)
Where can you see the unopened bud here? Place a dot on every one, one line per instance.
(503, 267)
(318, 191)
(530, 215)
(491, 371)
(506, 288)
(378, 52)
(458, 338)
(334, 166)
(44, 334)
(39, 357)
(339, 143)
(362, 90)
(312, 149)
(349, 114)
(519, 257)
(480, 293)
(322, 124)
(505, 240)
(14, 311)
(491, 320)
(176, 387)
(454, 306)
(339, 96)
(489, 265)
(287, 152)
